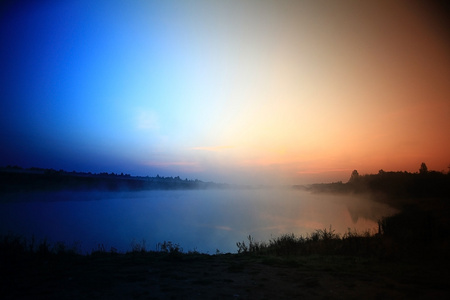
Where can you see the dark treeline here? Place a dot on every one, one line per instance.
(17, 179)
(391, 185)
(422, 198)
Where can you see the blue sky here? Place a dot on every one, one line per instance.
(289, 91)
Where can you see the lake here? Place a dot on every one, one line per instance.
(197, 220)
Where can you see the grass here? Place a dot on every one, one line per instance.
(322, 241)
(14, 247)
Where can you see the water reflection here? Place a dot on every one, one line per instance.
(198, 220)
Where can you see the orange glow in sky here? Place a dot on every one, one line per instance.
(284, 92)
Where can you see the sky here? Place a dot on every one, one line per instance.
(282, 92)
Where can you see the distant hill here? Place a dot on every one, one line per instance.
(17, 179)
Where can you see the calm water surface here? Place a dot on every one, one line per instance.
(203, 220)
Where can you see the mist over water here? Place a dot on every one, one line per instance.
(202, 220)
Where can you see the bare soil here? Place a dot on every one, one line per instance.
(225, 276)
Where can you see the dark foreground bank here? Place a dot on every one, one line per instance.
(156, 275)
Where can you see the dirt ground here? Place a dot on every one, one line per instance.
(226, 276)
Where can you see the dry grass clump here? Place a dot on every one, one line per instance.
(411, 233)
(321, 241)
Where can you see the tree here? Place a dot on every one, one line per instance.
(423, 168)
(354, 177)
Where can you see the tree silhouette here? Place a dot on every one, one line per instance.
(423, 168)
(354, 177)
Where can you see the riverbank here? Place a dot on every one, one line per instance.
(155, 275)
